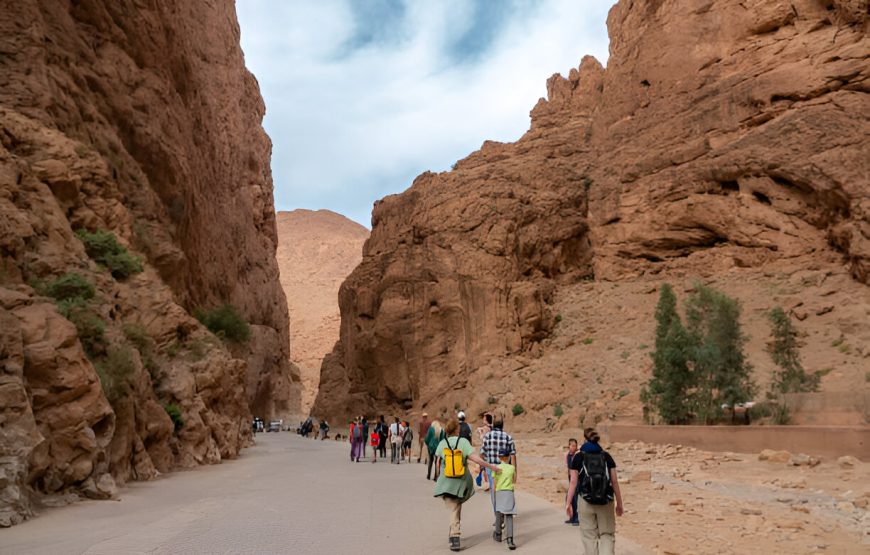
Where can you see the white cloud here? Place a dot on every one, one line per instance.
(351, 125)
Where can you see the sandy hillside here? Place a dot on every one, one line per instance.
(316, 251)
(597, 360)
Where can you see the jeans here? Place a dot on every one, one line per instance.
(382, 446)
(395, 452)
(574, 516)
(492, 494)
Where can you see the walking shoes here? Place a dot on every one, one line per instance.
(454, 544)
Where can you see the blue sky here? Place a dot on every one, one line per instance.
(364, 95)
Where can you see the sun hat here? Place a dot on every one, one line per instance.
(461, 415)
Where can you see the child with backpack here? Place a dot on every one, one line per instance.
(505, 505)
(593, 471)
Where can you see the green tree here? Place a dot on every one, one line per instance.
(783, 349)
(722, 375)
(667, 390)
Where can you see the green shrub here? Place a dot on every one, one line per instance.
(623, 393)
(90, 327)
(558, 318)
(557, 411)
(138, 336)
(114, 370)
(518, 409)
(70, 286)
(225, 321)
(174, 413)
(493, 400)
(104, 248)
(587, 341)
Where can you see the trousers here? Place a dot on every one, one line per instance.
(597, 527)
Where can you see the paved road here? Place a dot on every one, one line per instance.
(288, 495)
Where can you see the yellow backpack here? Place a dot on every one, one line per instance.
(454, 466)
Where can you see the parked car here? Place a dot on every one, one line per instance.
(275, 426)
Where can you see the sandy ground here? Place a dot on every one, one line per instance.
(289, 495)
(681, 500)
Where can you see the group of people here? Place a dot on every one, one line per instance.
(593, 499)
(398, 434)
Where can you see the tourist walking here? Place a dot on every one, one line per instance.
(354, 435)
(455, 484)
(593, 471)
(464, 427)
(434, 435)
(505, 504)
(407, 441)
(376, 444)
(324, 429)
(381, 429)
(481, 432)
(422, 429)
(365, 434)
(494, 442)
(395, 437)
(569, 457)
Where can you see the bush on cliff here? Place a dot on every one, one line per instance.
(114, 370)
(70, 286)
(174, 413)
(225, 321)
(89, 326)
(103, 247)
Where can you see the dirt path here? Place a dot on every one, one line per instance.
(288, 495)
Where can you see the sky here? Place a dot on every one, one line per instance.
(364, 95)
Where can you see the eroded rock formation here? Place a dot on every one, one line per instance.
(139, 119)
(317, 250)
(721, 134)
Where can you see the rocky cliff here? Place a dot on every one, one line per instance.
(317, 250)
(134, 190)
(722, 134)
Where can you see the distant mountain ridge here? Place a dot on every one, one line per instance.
(317, 250)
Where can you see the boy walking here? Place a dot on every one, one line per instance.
(505, 504)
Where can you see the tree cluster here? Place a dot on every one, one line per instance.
(699, 368)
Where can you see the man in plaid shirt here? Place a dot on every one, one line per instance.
(493, 442)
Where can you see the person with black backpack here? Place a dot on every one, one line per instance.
(593, 471)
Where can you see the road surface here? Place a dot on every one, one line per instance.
(289, 495)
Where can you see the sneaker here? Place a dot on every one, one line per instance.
(510, 544)
(454, 544)
(496, 536)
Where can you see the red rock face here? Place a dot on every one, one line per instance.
(721, 134)
(140, 119)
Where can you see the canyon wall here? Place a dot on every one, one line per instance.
(138, 121)
(317, 250)
(722, 134)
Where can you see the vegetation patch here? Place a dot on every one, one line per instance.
(68, 287)
(226, 322)
(558, 411)
(103, 247)
(114, 371)
(89, 326)
(518, 409)
(174, 413)
(699, 368)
